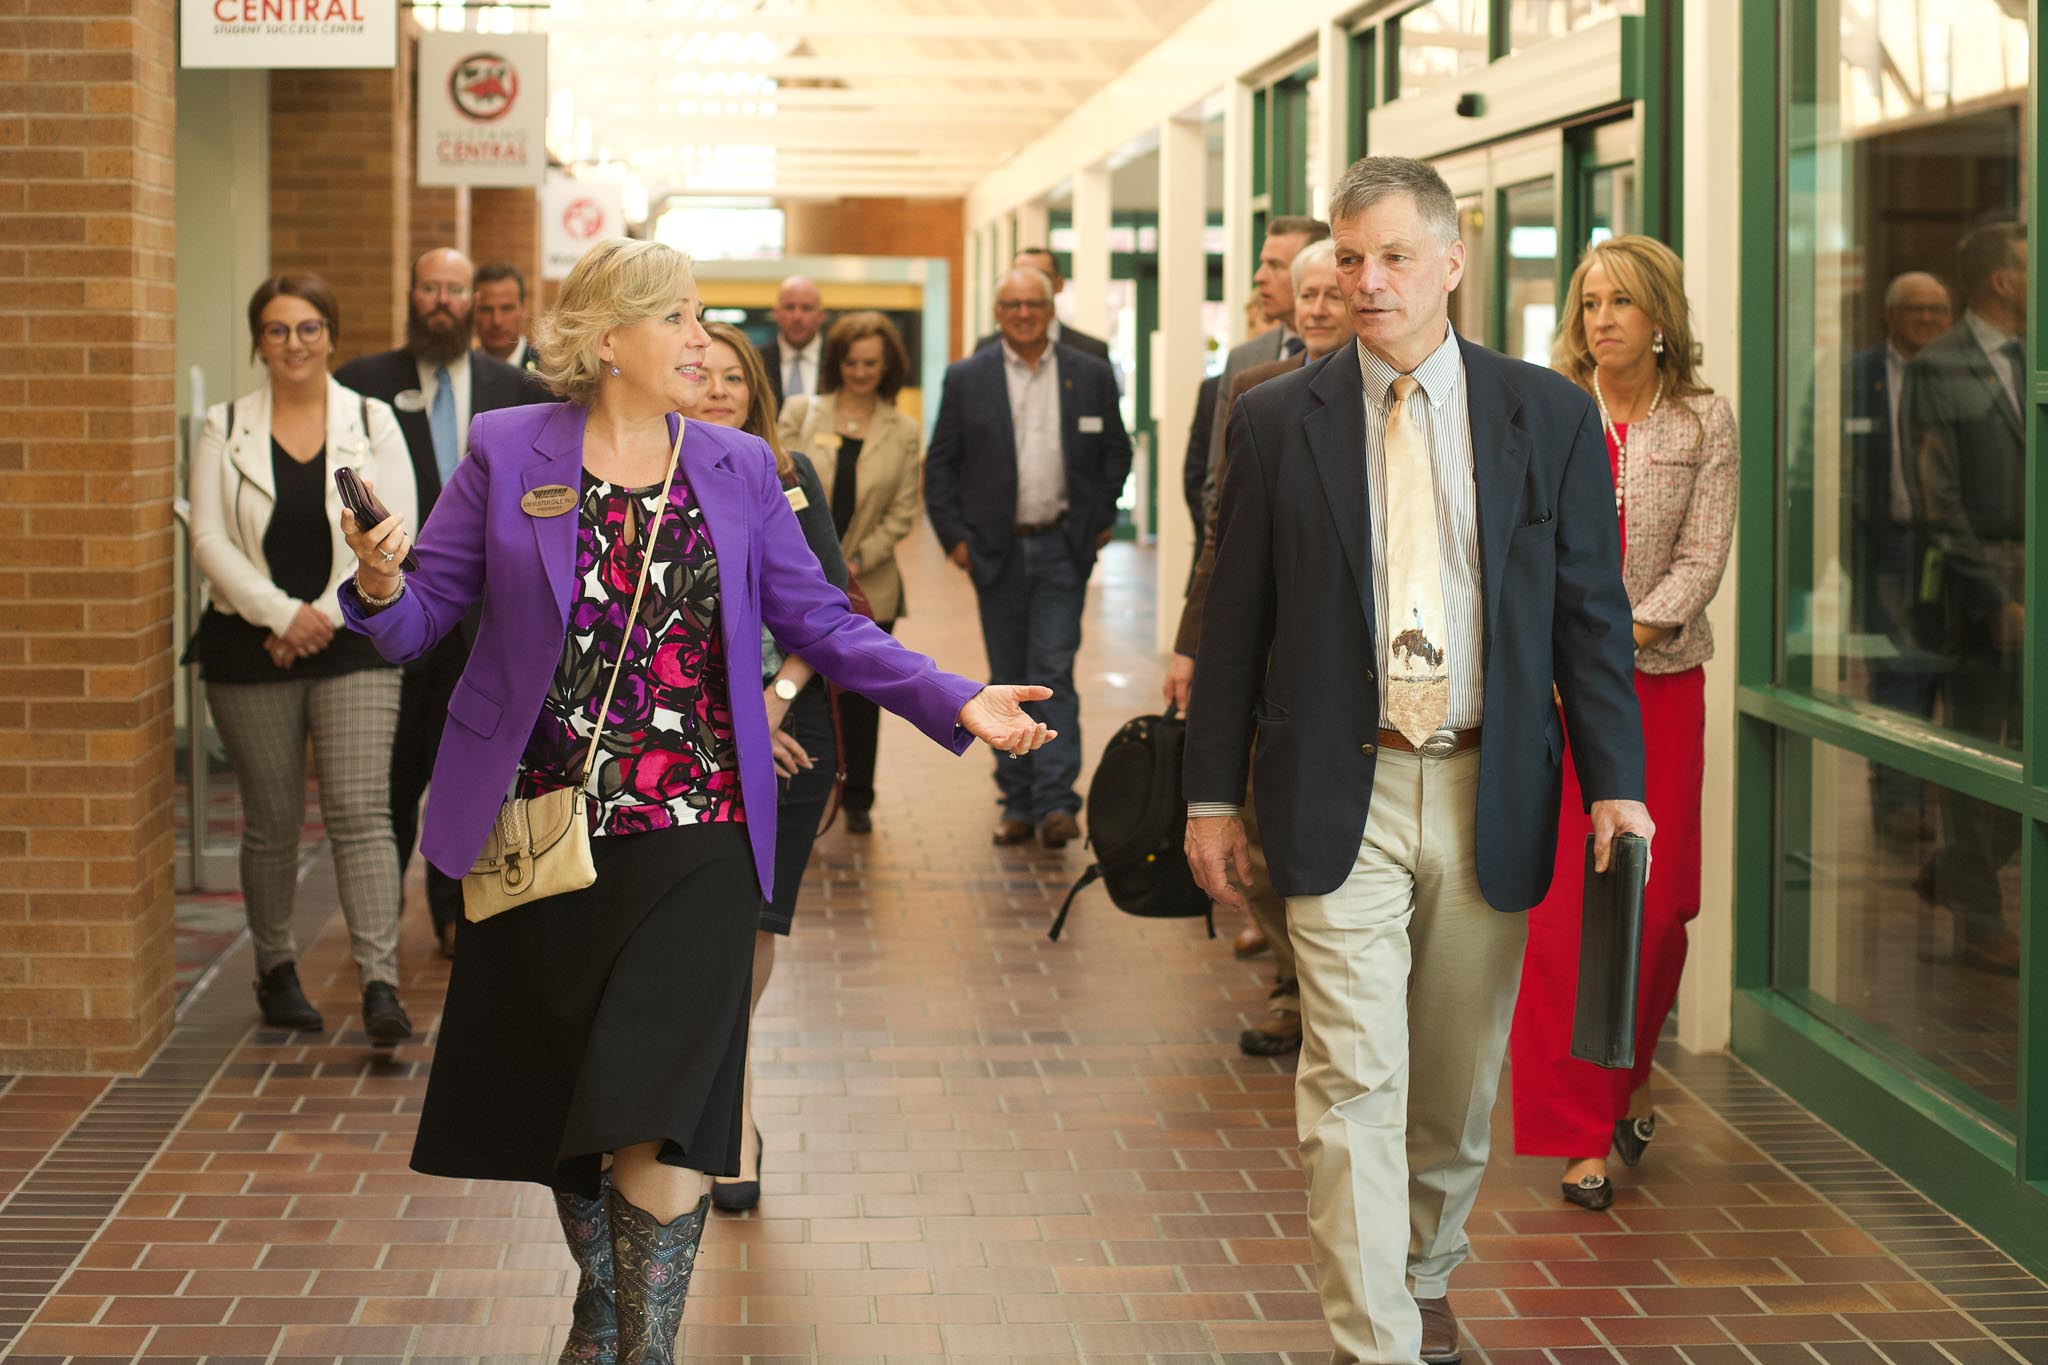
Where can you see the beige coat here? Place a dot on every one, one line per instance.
(1680, 521)
(887, 482)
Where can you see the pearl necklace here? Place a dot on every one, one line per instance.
(1621, 442)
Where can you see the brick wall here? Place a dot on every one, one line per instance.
(86, 467)
(440, 217)
(340, 192)
(883, 227)
(504, 225)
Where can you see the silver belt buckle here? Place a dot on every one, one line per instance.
(1440, 744)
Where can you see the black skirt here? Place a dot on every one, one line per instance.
(601, 1018)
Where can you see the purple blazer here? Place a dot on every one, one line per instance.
(479, 543)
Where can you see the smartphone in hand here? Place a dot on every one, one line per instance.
(364, 507)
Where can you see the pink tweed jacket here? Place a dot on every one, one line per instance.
(1680, 513)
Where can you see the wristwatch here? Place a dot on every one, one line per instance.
(785, 689)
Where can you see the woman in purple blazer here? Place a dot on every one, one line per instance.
(595, 1041)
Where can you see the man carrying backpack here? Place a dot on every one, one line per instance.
(1324, 323)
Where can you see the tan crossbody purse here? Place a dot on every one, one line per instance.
(540, 845)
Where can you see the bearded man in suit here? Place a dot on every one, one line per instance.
(436, 384)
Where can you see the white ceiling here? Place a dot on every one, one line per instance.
(797, 98)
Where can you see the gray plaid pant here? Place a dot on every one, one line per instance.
(350, 720)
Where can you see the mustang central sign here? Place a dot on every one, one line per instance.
(482, 108)
(288, 33)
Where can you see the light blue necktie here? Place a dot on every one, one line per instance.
(795, 385)
(441, 423)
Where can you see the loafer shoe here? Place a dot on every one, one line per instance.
(1250, 941)
(1010, 832)
(859, 822)
(1439, 1332)
(1278, 1036)
(1632, 1139)
(384, 1019)
(1593, 1192)
(1059, 829)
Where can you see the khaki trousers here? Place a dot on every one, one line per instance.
(1408, 984)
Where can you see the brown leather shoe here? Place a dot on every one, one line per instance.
(1059, 829)
(1250, 941)
(1278, 1036)
(1439, 1332)
(1013, 832)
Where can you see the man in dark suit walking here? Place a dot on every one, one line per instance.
(1966, 435)
(435, 383)
(1027, 459)
(1885, 555)
(1417, 538)
(792, 358)
(1041, 259)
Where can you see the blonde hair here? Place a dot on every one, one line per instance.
(618, 282)
(1651, 274)
(761, 418)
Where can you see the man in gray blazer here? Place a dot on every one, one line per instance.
(1274, 280)
(1964, 416)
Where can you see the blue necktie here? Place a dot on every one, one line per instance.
(441, 422)
(2014, 354)
(1294, 346)
(795, 385)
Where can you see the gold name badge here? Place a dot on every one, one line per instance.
(549, 500)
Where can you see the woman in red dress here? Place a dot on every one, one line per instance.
(1627, 340)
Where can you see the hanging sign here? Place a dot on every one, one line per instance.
(288, 33)
(483, 109)
(575, 215)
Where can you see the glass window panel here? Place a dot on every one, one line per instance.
(1897, 908)
(1538, 21)
(1611, 210)
(1531, 250)
(1904, 515)
(1468, 301)
(1441, 40)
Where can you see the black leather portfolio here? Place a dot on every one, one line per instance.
(1610, 955)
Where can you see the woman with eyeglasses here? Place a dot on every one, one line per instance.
(279, 669)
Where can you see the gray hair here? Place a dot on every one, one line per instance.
(1029, 272)
(1373, 178)
(1322, 254)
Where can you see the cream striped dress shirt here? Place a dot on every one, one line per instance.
(1442, 411)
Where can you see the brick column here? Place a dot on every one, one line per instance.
(440, 217)
(87, 458)
(504, 225)
(341, 192)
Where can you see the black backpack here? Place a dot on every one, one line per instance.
(1136, 822)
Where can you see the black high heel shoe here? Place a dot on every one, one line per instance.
(1593, 1192)
(1632, 1139)
(737, 1196)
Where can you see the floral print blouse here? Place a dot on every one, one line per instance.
(668, 756)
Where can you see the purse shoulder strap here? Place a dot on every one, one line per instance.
(633, 615)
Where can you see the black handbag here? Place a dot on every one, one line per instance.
(1610, 955)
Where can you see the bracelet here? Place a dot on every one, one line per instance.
(370, 601)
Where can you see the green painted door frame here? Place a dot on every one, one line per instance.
(1952, 1144)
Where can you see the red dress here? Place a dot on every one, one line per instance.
(1565, 1107)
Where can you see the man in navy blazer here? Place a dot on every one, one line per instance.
(1398, 855)
(1026, 462)
(1885, 559)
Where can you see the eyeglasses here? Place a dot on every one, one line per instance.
(1021, 305)
(446, 291)
(310, 331)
